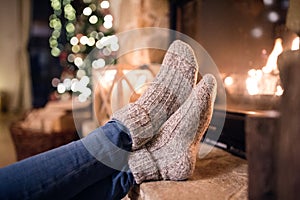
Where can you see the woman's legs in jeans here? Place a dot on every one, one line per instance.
(64, 172)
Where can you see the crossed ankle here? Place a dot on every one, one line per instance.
(171, 154)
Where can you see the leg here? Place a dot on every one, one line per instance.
(115, 186)
(64, 171)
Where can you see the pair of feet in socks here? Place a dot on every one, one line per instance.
(167, 122)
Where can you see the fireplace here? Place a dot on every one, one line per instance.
(244, 38)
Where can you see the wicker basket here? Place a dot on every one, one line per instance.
(29, 142)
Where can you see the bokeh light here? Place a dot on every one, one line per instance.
(93, 19)
(61, 88)
(84, 40)
(228, 81)
(91, 41)
(67, 83)
(99, 63)
(268, 2)
(107, 24)
(71, 58)
(55, 82)
(87, 11)
(114, 47)
(75, 48)
(80, 73)
(70, 27)
(78, 61)
(55, 51)
(74, 41)
(273, 16)
(108, 17)
(257, 32)
(104, 4)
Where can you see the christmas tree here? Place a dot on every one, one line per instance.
(78, 28)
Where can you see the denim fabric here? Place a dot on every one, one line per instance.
(71, 171)
(115, 186)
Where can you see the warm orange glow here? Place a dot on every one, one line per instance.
(279, 91)
(263, 81)
(228, 81)
(266, 81)
(271, 65)
(252, 85)
(295, 44)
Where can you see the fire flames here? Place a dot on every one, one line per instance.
(266, 81)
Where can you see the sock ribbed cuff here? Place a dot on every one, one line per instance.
(142, 166)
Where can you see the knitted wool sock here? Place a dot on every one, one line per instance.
(171, 154)
(170, 88)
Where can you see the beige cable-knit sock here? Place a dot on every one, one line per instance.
(170, 88)
(171, 154)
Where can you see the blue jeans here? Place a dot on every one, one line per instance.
(71, 171)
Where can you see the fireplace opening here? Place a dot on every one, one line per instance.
(244, 38)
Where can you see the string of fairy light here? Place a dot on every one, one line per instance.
(56, 24)
(97, 33)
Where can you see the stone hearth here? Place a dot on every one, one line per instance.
(219, 175)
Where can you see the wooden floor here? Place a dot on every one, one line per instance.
(7, 151)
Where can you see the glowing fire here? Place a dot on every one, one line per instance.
(295, 44)
(272, 60)
(266, 81)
